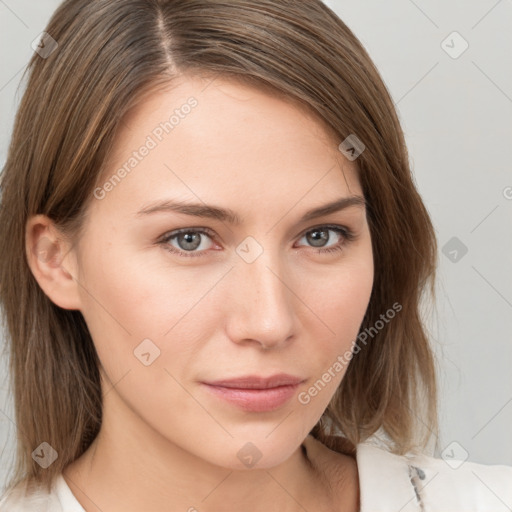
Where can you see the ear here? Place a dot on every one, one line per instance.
(52, 262)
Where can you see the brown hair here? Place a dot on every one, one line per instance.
(109, 54)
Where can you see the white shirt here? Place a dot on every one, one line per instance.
(387, 483)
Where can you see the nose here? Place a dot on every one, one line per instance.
(261, 309)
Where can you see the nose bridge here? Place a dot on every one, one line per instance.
(262, 306)
(265, 277)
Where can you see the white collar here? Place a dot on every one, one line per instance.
(387, 482)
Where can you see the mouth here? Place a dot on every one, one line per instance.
(256, 394)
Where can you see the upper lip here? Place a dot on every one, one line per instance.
(256, 382)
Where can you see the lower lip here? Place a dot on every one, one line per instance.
(255, 400)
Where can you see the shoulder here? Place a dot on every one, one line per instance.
(20, 499)
(420, 482)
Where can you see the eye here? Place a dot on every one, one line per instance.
(320, 235)
(187, 240)
(191, 242)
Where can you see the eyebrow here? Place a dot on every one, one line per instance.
(229, 216)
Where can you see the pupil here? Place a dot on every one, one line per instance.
(317, 241)
(189, 241)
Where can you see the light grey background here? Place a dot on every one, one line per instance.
(456, 114)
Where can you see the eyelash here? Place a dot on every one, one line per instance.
(347, 234)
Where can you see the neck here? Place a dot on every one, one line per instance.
(153, 473)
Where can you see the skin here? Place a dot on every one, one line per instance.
(166, 443)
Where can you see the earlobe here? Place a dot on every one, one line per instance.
(52, 262)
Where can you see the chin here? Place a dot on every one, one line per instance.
(252, 452)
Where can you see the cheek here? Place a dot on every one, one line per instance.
(340, 304)
(131, 290)
(140, 310)
(340, 297)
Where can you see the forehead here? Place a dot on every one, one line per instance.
(240, 93)
(215, 138)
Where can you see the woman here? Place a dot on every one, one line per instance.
(217, 256)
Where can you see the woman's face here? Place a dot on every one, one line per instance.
(278, 291)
